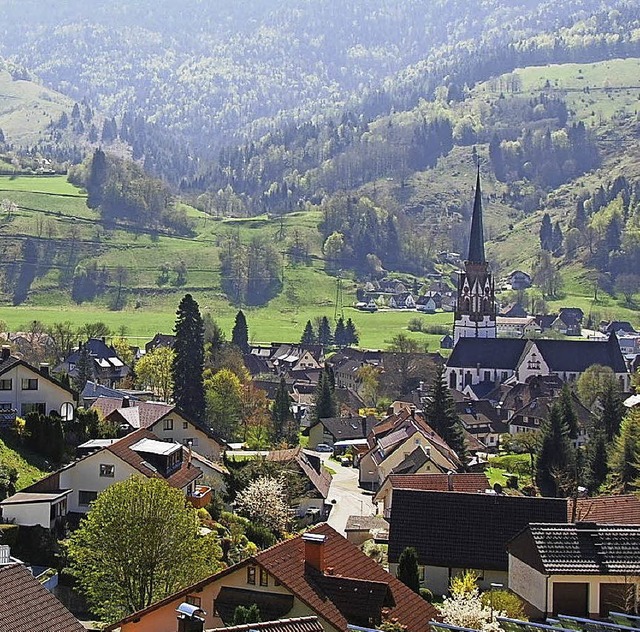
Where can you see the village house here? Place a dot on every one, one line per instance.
(343, 430)
(165, 421)
(317, 574)
(313, 501)
(25, 389)
(513, 310)
(519, 280)
(78, 484)
(581, 569)
(482, 420)
(513, 327)
(454, 531)
(105, 366)
(160, 341)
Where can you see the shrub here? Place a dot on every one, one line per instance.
(426, 594)
(506, 601)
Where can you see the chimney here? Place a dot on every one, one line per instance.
(104, 340)
(450, 480)
(314, 551)
(126, 402)
(44, 368)
(6, 352)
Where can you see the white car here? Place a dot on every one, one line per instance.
(324, 447)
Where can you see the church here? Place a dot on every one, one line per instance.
(479, 356)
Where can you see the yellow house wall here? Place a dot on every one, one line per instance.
(205, 445)
(164, 619)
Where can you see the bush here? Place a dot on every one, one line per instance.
(426, 594)
(260, 535)
(506, 601)
(415, 324)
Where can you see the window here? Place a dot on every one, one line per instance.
(264, 577)
(107, 470)
(251, 575)
(39, 407)
(85, 498)
(6, 406)
(29, 384)
(167, 424)
(192, 440)
(185, 425)
(194, 601)
(6, 385)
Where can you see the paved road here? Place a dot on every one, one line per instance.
(350, 499)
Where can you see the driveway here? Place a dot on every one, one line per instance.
(349, 498)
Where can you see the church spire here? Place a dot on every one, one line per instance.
(476, 238)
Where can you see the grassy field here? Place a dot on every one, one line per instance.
(30, 467)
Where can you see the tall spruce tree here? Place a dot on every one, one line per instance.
(325, 399)
(240, 333)
(546, 233)
(612, 410)
(188, 361)
(339, 337)
(351, 333)
(84, 369)
(568, 413)
(324, 332)
(408, 572)
(308, 337)
(283, 422)
(624, 456)
(442, 416)
(596, 468)
(555, 465)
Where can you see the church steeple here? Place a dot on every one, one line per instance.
(476, 238)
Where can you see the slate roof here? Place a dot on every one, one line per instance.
(412, 462)
(93, 391)
(491, 353)
(582, 548)
(540, 408)
(286, 563)
(345, 428)
(464, 530)
(27, 606)
(623, 509)
(298, 624)
(578, 356)
(480, 413)
(476, 236)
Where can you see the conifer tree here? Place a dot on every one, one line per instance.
(612, 410)
(84, 369)
(546, 233)
(188, 361)
(240, 333)
(283, 423)
(624, 458)
(408, 572)
(597, 468)
(325, 401)
(351, 333)
(442, 416)
(568, 413)
(308, 337)
(339, 336)
(324, 332)
(555, 465)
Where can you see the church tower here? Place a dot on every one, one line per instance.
(475, 315)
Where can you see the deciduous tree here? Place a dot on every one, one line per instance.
(139, 543)
(264, 501)
(154, 370)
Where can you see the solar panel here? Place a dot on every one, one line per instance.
(436, 626)
(515, 625)
(622, 618)
(590, 625)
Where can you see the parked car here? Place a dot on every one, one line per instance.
(324, 447)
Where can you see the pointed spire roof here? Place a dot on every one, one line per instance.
(476, 238)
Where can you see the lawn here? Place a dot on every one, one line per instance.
(31, 468)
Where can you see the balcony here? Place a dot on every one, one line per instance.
(200, 497)
(8, 418)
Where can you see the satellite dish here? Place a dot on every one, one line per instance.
(67, 412)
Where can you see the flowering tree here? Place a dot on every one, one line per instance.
(464, 607)
(264, 501)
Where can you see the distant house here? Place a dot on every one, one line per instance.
(582, 569)
(513, 310)
(618, 327)
(25, 389)
(318, 574)
(567, 324)
(446, 342)
(340, 429)
(481, 419)
(513, 327)
(313, 502)
(519, 280)
(160, 340)
(166, 421)
(453, 531)
(427, 304)
(403, 300)
(105, 366)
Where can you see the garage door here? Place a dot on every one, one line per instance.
(571, 598)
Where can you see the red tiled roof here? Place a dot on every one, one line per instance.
(321, 480)
(440, 482)
(285, 561)
(27, 606)
(606, 509)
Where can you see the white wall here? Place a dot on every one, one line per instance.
(528, 583)
(203, 444)
(48, 392)
(28, 515)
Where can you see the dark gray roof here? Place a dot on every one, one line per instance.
(582, 548)
(92, 390)
(343, 428)
(464, 530)
(490, 353)
(578, 356)
(476, 238)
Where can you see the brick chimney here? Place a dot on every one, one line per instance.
(314, 551)
(6, 352)
(126, 402)
(44, 368)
